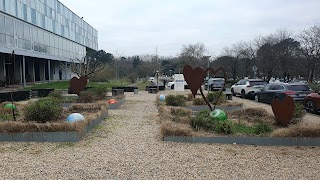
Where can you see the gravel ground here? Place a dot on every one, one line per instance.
(127, 146)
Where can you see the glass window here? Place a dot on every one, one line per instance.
(33, 16)
(19, 29)
(9, 26)
(40, 36)
(35, 35)
(25, 17)
(2, 26)
(6, 5)
(26, 32)
(43, 21)
(1, 5)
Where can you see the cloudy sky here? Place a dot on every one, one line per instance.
(136, 27)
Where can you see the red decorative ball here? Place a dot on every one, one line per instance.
(112, 101)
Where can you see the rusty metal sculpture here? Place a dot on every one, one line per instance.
(283, 110)
(78, 85)
(195, 78)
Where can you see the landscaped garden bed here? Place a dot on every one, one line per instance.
(184, 120)
(47, 120)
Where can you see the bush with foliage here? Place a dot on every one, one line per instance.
(224, 127)
(43, 110)
(262, 128)
(202, 121)
(299, 111)
(86, 97)
(315, 87)
(178, 100)
(198, 101)
(212, 96)
(56, 95)
(99, 92)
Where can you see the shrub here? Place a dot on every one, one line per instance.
(299, 111)
(43, 110)
(178, 100)
(315, 87)
(56, 95)
(212, 96)
(99, 92)
(202, 121)
(198, 101)
(86, 97)
(262, 128)
(224, 127)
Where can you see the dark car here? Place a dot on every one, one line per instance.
(271, 91)
(312, 102)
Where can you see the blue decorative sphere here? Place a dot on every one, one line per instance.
(162, 97)
(218, 115)
(74, 117)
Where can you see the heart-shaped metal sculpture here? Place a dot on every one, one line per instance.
(78, 85)
(193, 77)
(283, 110)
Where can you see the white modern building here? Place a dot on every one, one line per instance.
(39, 39)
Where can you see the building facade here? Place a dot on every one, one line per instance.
(39, 39)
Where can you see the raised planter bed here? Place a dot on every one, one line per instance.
(20, 95)
(161, 88)
(71, 136)
(259, 141)
(41, 92)
(126, 88)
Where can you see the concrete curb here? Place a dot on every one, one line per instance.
(72, 136)
(258, 141)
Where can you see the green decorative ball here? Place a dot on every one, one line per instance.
(10, 106)
(218, 115)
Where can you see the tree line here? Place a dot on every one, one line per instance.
(281, 54)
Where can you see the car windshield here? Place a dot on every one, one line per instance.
(218, 81)
(255, 83)
(298, 88)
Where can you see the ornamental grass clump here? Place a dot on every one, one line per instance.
(178, 100)
(43, 110)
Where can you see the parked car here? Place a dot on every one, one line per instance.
(298, 91)
(170, 85)
(215, 84)
(312, 102)
(247, 87)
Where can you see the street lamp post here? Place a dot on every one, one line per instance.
(208, 74)
(157, 74)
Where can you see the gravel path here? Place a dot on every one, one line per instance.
(127, 146)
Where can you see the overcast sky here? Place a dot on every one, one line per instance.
(136, 27)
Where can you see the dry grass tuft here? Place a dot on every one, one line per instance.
(252, 114)
(89, 107)
(176, 114)
(229, 104)
(297, 130)
(169, 128)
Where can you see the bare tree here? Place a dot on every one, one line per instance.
(193, 54)
(86, 66)
(310, 43)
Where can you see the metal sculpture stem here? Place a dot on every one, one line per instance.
(205, 100)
